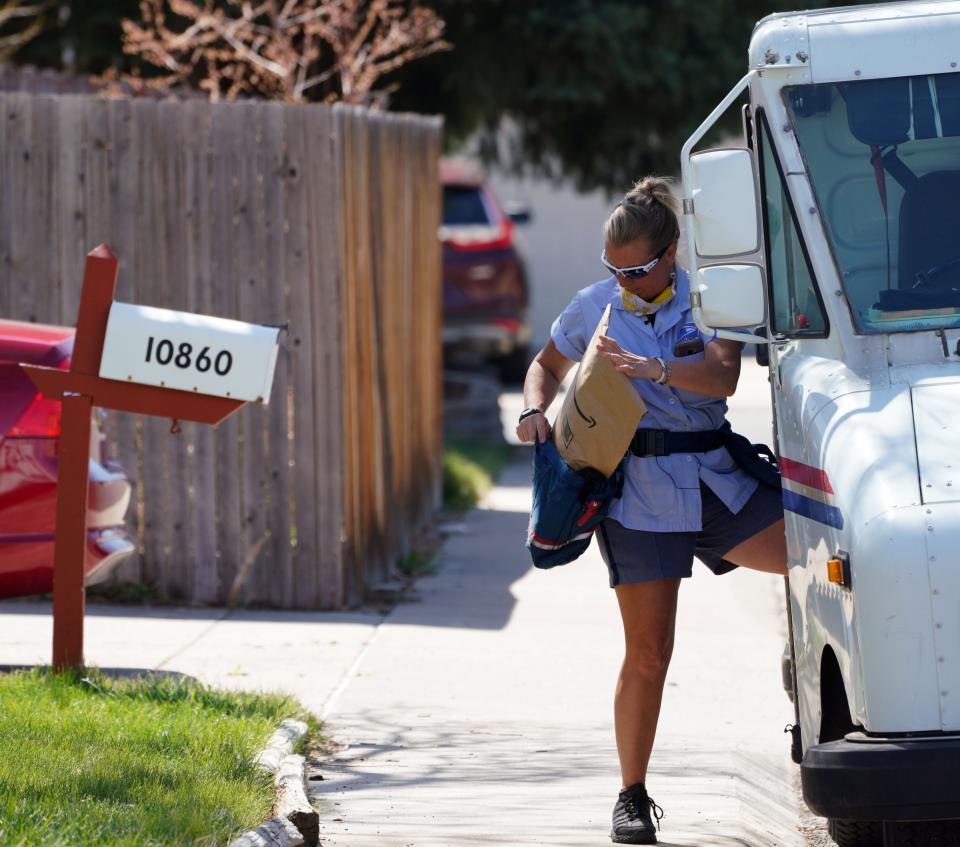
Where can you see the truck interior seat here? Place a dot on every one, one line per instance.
(929, 236)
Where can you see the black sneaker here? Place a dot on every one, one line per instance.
(632, 823)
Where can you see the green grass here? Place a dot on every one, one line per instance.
(130, 593)
(88, 760)
(469, 470)
(418, 563)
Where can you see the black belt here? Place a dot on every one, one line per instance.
(663, 442)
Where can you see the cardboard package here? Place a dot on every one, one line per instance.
(600, 412)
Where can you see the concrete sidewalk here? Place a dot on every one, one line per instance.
(481, 713)
(307, 654)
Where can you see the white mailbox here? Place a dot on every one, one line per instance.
(216, 356)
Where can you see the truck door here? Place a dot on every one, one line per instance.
(795, 317)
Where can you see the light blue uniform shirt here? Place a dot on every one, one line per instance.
(660, 493)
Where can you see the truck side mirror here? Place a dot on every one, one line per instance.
(725, 214)
(722, 215)
(731, 296)
(721, 218)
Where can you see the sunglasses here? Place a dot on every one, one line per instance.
(635, 272)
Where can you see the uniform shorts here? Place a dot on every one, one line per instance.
(635, 555)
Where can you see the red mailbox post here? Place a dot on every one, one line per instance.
(80, 389)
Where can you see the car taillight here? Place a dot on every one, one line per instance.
(40, 419)
(474, 238)
(511, 325)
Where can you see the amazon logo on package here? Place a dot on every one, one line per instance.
(600, 412)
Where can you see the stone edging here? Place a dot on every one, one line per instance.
(281, 744)
(295, 822)
(276, 832)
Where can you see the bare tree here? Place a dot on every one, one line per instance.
(20, 22)
(281, 49)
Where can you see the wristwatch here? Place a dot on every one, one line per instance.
(526, 413)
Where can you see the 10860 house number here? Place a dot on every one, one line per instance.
(164, 352)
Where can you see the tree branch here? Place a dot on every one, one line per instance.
(282, 48)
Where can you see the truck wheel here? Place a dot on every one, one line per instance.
(922, 834)
(855, 833)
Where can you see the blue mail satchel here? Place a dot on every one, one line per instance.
(758, 460)
(568, 506)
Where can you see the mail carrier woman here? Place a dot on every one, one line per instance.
(683, 495)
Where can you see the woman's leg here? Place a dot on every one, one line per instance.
(766, 551)
(649, 612)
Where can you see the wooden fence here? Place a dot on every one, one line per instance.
(325, 217)
(29, 80)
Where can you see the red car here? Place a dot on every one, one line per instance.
(29, 441)
(485, 293)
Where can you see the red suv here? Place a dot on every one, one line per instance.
(485, 294)
(29, 441)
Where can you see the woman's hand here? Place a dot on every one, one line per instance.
(636, 367)
(715, 375)
(534, 428)
(544, 376)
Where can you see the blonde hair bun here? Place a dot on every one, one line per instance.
(648, 211)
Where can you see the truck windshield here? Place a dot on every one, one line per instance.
(884, 161)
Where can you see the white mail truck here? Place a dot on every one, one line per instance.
(836, 228)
